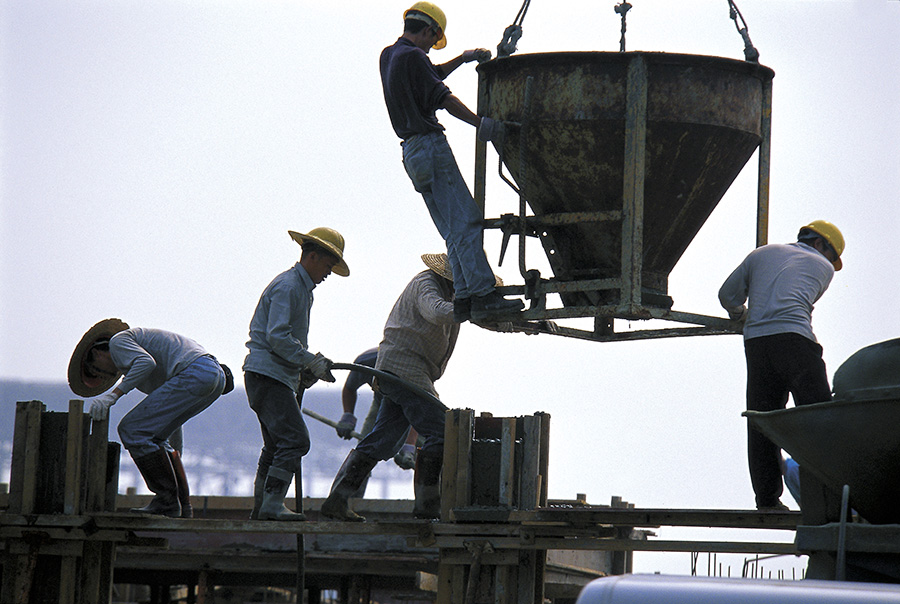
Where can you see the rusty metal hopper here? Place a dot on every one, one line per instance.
(700, 125)
(850, 442)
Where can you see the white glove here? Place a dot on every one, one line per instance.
(490, 130)
(100, 405)
(320, 367)
(346, 426)
(739, 313)
(406, 457)
(477, 54)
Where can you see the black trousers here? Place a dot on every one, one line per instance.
(779, 365)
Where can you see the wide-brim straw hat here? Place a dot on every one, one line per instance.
(80, 382)
(330, 240)
(441, 265)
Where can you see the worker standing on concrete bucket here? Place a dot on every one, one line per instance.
(180, 379)
(781, 282)
(414, 90)
(280, 366)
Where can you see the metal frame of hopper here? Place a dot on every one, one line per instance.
(630, 307)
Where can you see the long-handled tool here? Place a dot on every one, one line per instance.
(381, 375)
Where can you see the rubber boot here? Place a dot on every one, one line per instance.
(259, 487)
(353, 472)
(156, 468)
(427, 483)
(272, 507)
(184, 490)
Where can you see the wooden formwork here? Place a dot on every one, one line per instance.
(509, 576)
(60, 466)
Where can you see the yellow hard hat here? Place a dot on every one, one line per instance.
(832, 235)
(435, 14)
(328, 239)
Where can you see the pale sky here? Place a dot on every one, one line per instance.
(154, 156)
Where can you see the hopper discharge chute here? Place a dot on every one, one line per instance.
(621, 158)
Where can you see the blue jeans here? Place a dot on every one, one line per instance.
(430, 164)
(399, 410)
(147, 428)
(284, 433)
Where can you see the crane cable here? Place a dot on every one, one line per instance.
(750, 52)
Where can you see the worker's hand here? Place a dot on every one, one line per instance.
(307, 379)
(320, 367)
(476, 54)
(346, 426)
(738, 313)
(490, 130)
(100, 405)
(406, 457)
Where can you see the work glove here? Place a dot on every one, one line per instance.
(346, 425)
(406, 457)
(490, 130)
(307, 379)
(320, 367)
(100, 405)
(739, 313)
(477, 54)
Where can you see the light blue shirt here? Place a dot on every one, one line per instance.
(782, 282)
(279, 327)
(151, 357)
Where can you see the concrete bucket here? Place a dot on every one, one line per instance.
(595, 139)
(852, 440)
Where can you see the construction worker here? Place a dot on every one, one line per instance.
(414, 90)
(781, 282)
(278, 355)
(406, 456)
(180, 379)
(419, 338)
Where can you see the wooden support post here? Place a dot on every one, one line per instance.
(25, 453)
(507, 461)
(74, 449)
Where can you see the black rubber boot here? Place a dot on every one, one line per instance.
(272, 507)
(184, 490)
(259, 487)
(156, 468)
(427, 483)
(353, 472)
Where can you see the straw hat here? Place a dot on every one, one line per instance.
(330, 240)
(81, 381)
(439, 264)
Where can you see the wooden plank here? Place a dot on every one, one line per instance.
(90, 573)
(544, 462)
(507, 461)
(25, 454)
(653, 517)
(445, 584)
(529, 481)
(68, 579)
(95, 479)
(451, 458)
(74, 450)
(19, 571)
(464, 457)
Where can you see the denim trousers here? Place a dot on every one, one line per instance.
(778, 365)
(147, 428)
(431, 166)
(399, 410)
(284, 433)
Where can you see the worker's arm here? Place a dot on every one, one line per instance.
(445, 69)
(348, 399)
(458, 109)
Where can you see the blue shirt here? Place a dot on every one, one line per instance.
(357, 378)
(279, 328)
(413, 89)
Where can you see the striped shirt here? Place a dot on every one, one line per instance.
(420, 333)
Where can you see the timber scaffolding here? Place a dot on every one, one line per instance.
(500, 539)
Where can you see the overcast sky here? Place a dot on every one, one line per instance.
(155, 154)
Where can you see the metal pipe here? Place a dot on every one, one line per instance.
(389, 377)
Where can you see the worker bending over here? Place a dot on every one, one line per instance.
(180, 379)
